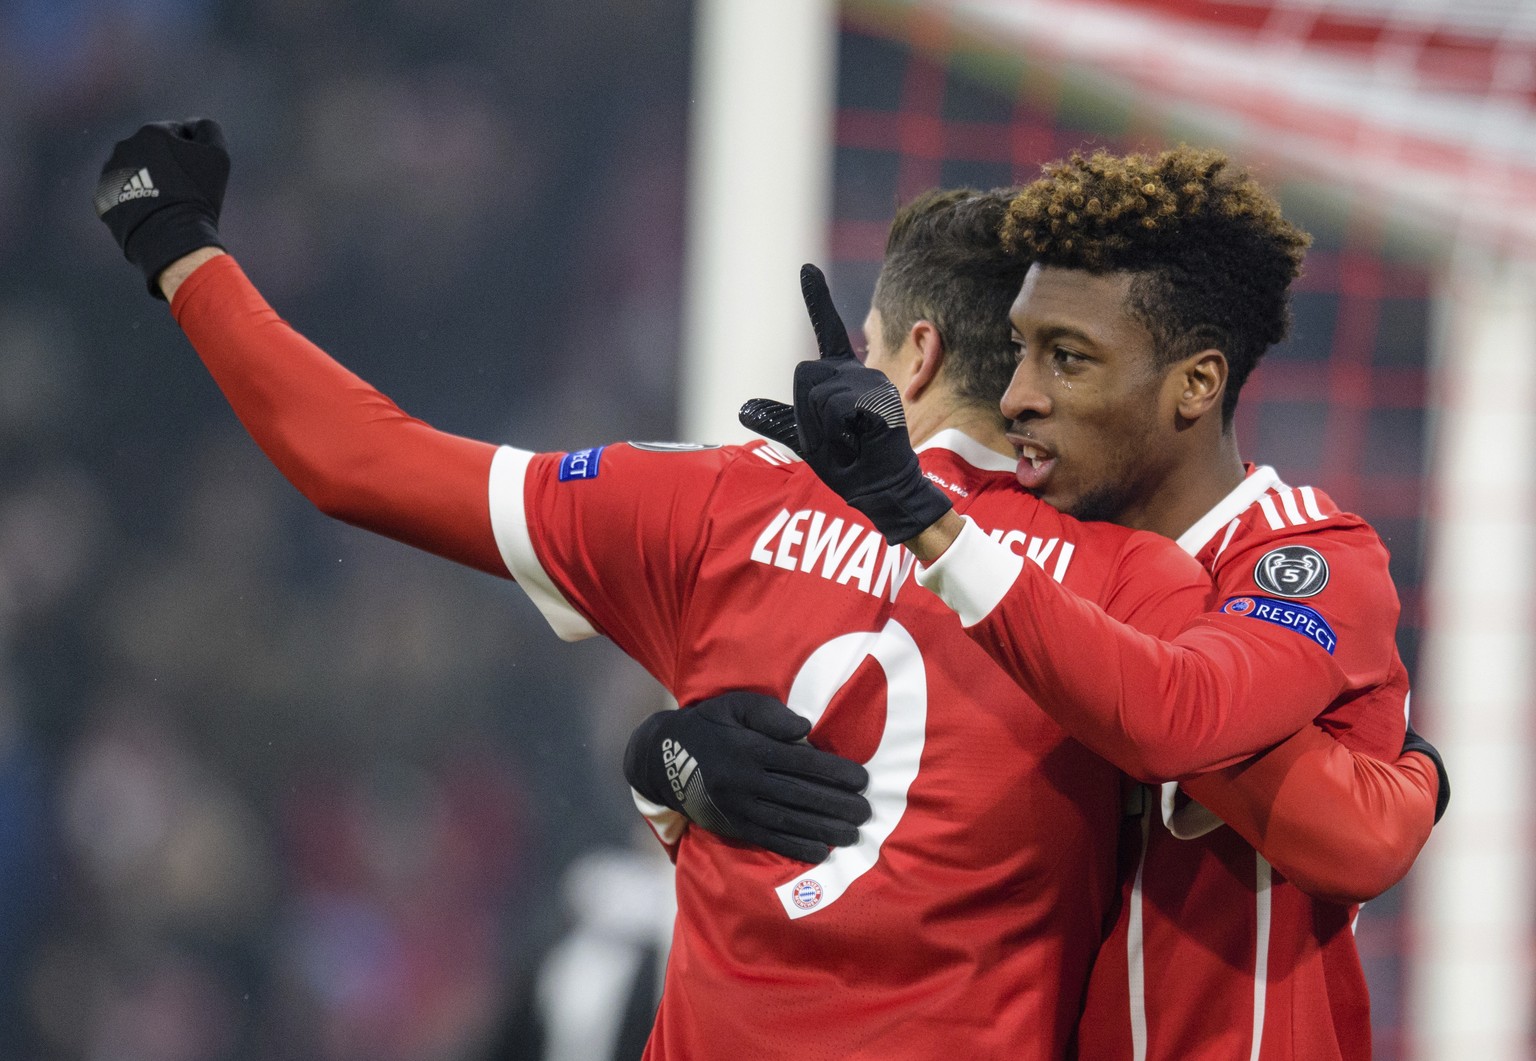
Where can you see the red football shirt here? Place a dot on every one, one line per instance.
(967, 916)
(1214, 955)
(970, 910)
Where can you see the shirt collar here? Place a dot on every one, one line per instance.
(969, 450)
(1258, 482)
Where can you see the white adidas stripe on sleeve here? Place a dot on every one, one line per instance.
(509, 522)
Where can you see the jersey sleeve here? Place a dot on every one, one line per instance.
(1156, 588)
(1215, 694)
(1340, 825)
(342, 444)
(1343, 818)
(1320, 601)
(607, 540)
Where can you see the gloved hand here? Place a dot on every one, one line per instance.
(1412, 742)
(735, 765)
(848, 424)
(161, 191)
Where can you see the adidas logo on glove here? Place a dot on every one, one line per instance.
(121, 186)
(680, 767)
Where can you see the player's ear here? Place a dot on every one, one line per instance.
(929, 353)
(1201, 380)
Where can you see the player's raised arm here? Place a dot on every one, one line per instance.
(354, 454)
(345, 446)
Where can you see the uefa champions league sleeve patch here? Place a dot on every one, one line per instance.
(1293, 571)
(1298, 617)
(580, 464)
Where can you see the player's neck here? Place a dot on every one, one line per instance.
(1190, 487)
(927, 417)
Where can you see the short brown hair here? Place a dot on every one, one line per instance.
(945, 264)
(1215, 257)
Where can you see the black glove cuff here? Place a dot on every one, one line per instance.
(902, 513)
(167, 235)
(1412, 742)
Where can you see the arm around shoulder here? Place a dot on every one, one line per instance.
(1340, 825)
(1140, 675)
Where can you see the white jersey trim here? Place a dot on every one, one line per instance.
(1298, 507)
(509, 522)
(1226, 540)
(775, 454)
(969, 450)
(1135, 951)
(973, 575)
(1262, 911)
(668, 824)
(1189, 822)
(1251, 489)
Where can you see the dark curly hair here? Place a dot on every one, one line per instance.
(1213, 256)
(944, 264)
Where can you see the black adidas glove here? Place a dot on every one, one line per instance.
(736, 765)
(848, 424)
(1412, 742)
(161, 191)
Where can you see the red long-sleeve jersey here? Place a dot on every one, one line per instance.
(1215, 955)
(359, 458)
(1338, 824)
(971, 909)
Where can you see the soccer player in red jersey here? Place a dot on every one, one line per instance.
(1156, 284)
(966, 911)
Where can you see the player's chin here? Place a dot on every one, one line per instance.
(1057, 492)
(1060, 499)
(1091, 506)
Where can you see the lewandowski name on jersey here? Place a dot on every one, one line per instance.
(851, 554)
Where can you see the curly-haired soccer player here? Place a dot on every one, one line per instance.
(1156, 283)
(969, 907)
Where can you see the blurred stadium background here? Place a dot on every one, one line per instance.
(270, 788)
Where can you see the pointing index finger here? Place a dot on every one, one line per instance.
(831, 336)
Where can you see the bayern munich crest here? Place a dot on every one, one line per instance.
(807, 894)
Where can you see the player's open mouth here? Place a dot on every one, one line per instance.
(1035, 463)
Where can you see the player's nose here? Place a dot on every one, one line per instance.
(1025, 398)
